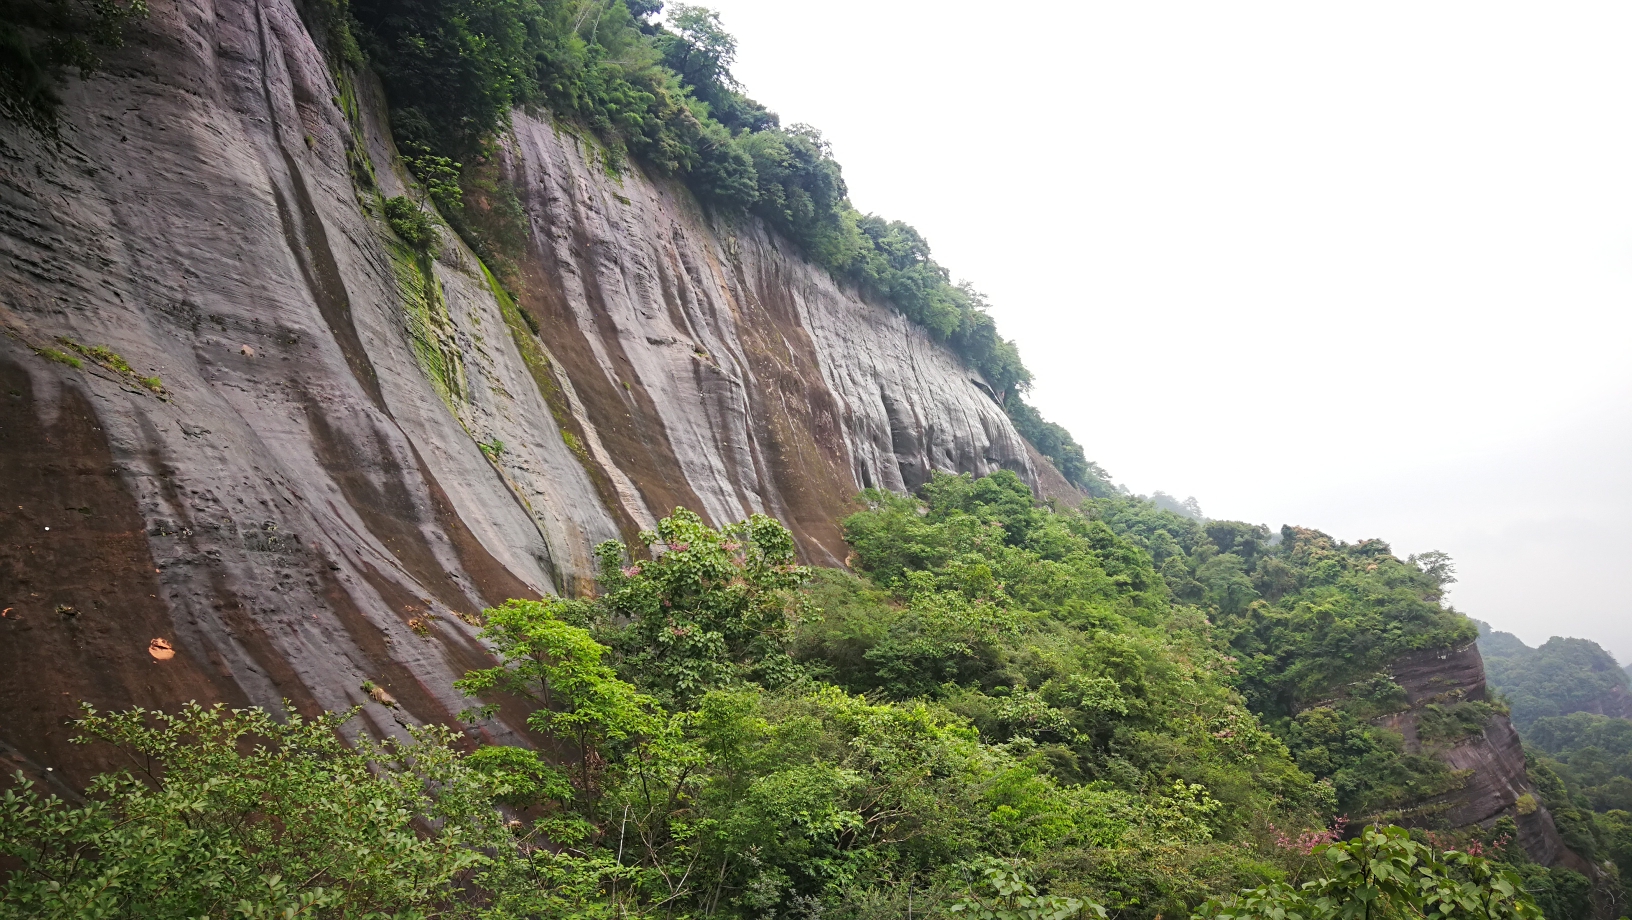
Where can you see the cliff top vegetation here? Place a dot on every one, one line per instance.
(661, 92)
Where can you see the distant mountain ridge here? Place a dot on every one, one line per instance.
(1563, 676)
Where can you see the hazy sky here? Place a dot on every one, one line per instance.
(1359, 267)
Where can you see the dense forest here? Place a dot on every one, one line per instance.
(1000, 707)
(1571, 704)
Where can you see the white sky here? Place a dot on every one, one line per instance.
(1360, 267)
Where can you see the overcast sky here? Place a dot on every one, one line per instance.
(1359, 267)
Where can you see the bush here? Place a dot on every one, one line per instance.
(238, 812)
(410, 222)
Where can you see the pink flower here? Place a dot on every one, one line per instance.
(1306, 842)
(680, 547)
(631, 571)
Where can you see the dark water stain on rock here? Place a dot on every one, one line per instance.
(93, 560)
(309, 243)
(372, 479)
(493, 582)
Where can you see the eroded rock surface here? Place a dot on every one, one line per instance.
(355, 447)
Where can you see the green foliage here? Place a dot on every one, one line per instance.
(452, 68)
(1561, 677)
(1313, 625)
(1385, 875)
(521, 778)
(234, 812)
(745, 782)
(549, 660)
(1368, 767)
(710, 609)
(1003, 893)
(101, 354)
(1580, 761)
(410, 222)
(38, 39)
(1309, 617)
(52, 354)
(1582, 765)
(1002, 716)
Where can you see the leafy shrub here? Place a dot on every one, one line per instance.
(410, 222)
(237, 812)
(1383, 873)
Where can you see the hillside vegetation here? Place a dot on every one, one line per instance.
(1000, 708)
(1580, 757)
(1560, 677)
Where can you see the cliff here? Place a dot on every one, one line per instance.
(351, 448)
(1490, 762)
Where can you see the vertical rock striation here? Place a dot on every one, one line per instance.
(357, 446)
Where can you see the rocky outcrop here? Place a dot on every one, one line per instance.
(350, 449)
(1616, 702)
(716, 369)
(1490, 763)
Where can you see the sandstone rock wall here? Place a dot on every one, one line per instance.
(354, 447)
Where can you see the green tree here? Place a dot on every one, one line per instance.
(710, 608)
(546, 659)
(233, 812)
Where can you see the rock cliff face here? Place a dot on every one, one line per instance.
(1491, 762)
(354, 446)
